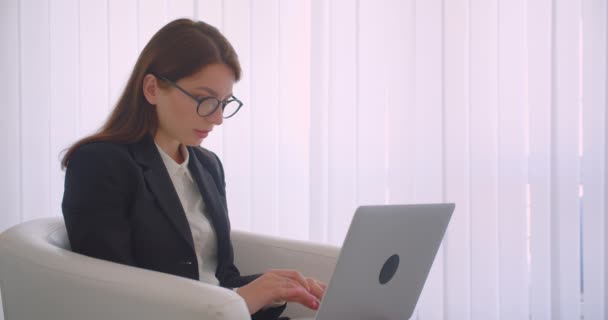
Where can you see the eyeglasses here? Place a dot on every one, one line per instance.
(206, 106)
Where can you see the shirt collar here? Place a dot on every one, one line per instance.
(172, 166)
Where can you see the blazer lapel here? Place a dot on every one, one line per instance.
(159, 182)
(213, 199)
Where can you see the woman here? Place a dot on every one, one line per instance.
(142, 192)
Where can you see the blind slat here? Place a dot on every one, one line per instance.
(342, 119)
(483, 129)
(400, 98)
(512, 162)
(35, 109)
(294, 119)
(10, 84)
(64, 87)
(265, 69)
(539, 100)
(123, 52)
(429, 136)
(457, 181)
(319, 120)
(237, 140)
(565, 174)
(371, 106)
(593, 166)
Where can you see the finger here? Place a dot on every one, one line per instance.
(322, 284)
(316, 289)
(294, 275)
(299, 295)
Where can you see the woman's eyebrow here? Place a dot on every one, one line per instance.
(213, 92)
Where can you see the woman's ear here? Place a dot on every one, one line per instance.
(151, 89)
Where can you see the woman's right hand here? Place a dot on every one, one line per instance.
(278, 285)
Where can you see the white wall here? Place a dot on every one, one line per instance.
(497, 105)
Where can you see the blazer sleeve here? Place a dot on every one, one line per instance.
(98, 185)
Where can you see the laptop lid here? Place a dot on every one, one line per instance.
(384, 262)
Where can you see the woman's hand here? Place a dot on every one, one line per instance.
(282, 285)
(317, 288)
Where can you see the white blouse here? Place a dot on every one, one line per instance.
(203, 234)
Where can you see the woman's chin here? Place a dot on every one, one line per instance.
(195, 142)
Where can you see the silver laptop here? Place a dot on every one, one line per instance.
(384, 262)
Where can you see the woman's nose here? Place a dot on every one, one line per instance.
(217, 117)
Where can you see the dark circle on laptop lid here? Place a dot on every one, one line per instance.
(389, 269)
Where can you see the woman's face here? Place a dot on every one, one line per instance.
(179, 121)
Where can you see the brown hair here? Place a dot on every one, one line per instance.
(178, 50)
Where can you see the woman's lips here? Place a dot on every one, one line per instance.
(201, 133)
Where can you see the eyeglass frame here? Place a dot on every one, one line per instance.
(200, 101)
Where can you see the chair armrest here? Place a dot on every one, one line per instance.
(255, 253)
(42, 281)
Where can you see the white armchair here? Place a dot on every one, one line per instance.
(40, 278)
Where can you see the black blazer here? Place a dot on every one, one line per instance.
(120, 205)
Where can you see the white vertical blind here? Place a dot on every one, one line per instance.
(123, 46)
(237, 138)
(10, 122)
(265, 157)
(496, 105)
(593, 170)
(400, 55)
(342, 118)
(370, 106)
(319, 105)
(64, 87)
(34, 109)
(565, 172)
(294, 118)
(94, 89)
(483, 128)
(512, 157)
(539, 44)
(429, 145)
(457, 154)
